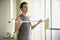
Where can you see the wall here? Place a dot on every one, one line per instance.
(7, 13)
(4, 11)
(14, 9)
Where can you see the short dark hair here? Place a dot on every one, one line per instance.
(21, 5)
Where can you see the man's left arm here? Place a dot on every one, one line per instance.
(33, 26)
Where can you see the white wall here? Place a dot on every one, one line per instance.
(6, 15)
(4, 10)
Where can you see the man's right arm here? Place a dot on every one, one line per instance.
(18, 23)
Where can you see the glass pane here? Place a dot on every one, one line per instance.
(56, 13)
(55, 19)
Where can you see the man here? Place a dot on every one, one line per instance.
(24, 28)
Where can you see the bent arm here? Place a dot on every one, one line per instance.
(33, 26)
(18, 23)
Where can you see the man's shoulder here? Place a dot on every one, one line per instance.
(18, 17)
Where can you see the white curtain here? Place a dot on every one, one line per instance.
(36, 12)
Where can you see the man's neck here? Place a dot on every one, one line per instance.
(24, 14)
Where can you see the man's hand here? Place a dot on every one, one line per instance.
(39, 21)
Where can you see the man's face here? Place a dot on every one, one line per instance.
(25, 8)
